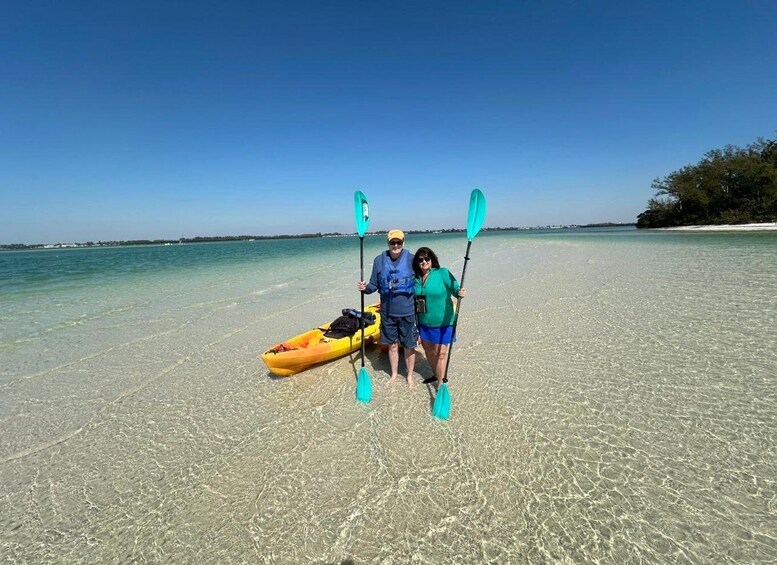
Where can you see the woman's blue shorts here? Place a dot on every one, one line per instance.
(440, 336)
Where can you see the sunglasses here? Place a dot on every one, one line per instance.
(396, 242)
(424, 259)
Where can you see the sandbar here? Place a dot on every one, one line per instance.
(767, 226)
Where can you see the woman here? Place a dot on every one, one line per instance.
(434, 288)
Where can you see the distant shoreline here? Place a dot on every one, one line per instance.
(227, 238)
(769, 226)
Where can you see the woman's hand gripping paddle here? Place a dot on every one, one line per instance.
(475, 218)
(362, 211)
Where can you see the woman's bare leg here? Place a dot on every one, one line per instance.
(442, 361)
(431, 355)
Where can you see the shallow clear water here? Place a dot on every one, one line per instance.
(613, 400)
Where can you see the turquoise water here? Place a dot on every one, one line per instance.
(53, 270)
(613, 401)
(30, 273)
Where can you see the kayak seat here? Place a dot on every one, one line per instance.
(313, 341)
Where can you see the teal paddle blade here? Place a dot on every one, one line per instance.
(362, 211)
(363, 386)
(477, 213)
(442, 403)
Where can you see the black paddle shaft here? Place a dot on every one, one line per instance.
(458, 311)
(361, 266)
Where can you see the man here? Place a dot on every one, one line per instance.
(393, 277)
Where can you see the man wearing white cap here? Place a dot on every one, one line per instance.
(393, 277)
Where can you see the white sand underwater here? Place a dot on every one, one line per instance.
(613, 400)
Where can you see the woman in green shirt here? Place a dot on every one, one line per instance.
(435, 287)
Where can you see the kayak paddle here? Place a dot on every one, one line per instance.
(475, 218)
(362, 211)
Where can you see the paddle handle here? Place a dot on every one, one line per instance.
(458, 310)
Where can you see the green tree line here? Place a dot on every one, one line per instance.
(728, 186)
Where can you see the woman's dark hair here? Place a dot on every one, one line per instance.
(424, 252)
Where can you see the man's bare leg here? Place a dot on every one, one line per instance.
(410, 363)
(393, 354)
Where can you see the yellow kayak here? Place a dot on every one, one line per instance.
(313, 347)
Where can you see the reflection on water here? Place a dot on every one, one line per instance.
(613, 400)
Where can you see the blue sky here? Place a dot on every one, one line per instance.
(168, 119)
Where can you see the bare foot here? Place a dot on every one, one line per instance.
(411, 382)
(391, 380)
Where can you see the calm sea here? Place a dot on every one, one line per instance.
(614, 400)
